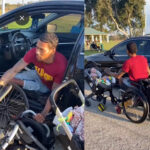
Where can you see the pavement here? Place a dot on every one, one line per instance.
(111, 131)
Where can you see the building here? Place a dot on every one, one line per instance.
(92, 35)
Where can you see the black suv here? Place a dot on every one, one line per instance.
(117, 55)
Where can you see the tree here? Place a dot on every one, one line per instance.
(124, 15)
(89, 12)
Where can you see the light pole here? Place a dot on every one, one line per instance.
(3, 6)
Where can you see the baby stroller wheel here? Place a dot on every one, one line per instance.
(135, 106)
(101, 107)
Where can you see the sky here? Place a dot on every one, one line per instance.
(20, 1)
(147, 11)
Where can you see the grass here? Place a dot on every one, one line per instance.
(90, 52)
(107, 46)
(64, 24)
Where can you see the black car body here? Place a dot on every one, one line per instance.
(117, 55)
(14, 43)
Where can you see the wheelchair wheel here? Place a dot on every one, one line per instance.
(12, 104)
(135, 106)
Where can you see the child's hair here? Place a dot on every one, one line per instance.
(131, 47)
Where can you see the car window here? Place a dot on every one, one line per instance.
(14, 25)
(143, 47)
(121, 49)
(66, 24)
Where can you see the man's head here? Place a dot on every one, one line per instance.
(131, 49)
(46, 46)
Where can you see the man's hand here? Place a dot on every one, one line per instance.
(2, 83)
(107, 71)
(39, 117)
(10, 74)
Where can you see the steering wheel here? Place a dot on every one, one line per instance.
(20, 45)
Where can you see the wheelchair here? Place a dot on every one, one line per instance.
(18, 129)
(136, 101)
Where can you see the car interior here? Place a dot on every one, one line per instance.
(16, 40)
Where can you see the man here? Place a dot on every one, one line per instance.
(136, 66)
(49, 70)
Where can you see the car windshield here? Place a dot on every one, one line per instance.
(33, 20)
(65, 23)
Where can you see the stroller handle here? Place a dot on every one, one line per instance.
(33, 113)
(28, 111)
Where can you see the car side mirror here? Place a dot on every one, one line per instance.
(107, 53)
(40, 16)
(35, 20)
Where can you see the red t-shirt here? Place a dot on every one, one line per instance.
(48, 73)
(136, 67)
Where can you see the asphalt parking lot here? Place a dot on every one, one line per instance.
(111, 131)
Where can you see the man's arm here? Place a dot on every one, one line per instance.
(119, 75)
(116, 75)
(10, 74)
(47, 107)
(40, 117)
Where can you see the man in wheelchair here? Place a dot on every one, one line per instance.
(136, 67)
(50, 67)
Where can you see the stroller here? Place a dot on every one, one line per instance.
(18, 129)
(99, 86)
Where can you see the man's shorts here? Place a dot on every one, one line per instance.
(32, 81)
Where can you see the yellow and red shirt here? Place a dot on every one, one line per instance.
(48, 73)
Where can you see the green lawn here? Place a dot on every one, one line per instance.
(107, 46)
(90, 52)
